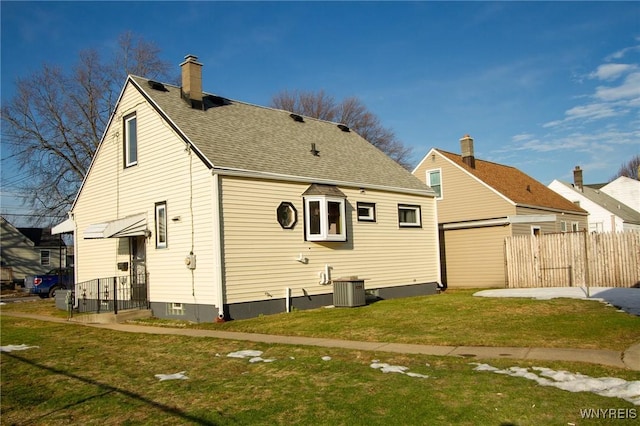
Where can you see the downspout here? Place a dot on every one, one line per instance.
(217, 247)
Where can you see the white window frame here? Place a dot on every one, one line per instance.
(536, 230)
(161, 225)
(439, 172)
(323, 216)
(45, 260)
(563, 226)
(128, 148)
(410, 207)
(371, 212)
(575, 226)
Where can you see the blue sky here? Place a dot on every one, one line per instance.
(541, 86)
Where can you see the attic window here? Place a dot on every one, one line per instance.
(297, 118)
(343, 128)
(157, 86)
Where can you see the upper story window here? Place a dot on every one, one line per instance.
(161, 225)
(130, 140)
(366, 212)
(324, 214)
(563, 226)
(409, 216)
(434, 180)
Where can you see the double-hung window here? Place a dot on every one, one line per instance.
(325, 218)
(434, 180)
(161, 225)
(130, 140)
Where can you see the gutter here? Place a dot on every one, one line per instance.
(302, 179)
(501, 221)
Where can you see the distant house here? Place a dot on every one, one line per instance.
(238, 210)
(624, 189)
(30, 251)
(480, 203)
(606, 213)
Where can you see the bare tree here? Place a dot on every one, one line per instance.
(350, 112)
(54, 123)
(630, 169)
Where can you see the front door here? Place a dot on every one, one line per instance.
(138, 268)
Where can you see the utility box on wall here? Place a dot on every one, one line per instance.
(348, 292)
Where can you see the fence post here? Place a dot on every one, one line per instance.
(115, 295)
(585, 234)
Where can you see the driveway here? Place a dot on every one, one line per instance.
(625, 299)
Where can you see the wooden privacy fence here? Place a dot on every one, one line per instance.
(573, 259)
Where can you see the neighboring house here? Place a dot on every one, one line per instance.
(606, 213)
(626, 190)
(238, 210)
(30, 251)
(481, 203)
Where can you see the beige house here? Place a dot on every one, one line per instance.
(234, 210)
(480, 203)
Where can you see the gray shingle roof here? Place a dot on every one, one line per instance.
(242, 136)
(626, 213)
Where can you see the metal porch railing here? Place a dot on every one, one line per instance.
(112, 294)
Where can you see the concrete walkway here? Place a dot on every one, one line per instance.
(629, 359)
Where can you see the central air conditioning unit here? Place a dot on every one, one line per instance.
(348, 292)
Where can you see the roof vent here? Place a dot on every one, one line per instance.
(314, 151)
(157, 86)
(211, 101)
(343, 128)
(297, 118)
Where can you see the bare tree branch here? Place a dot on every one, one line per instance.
(630, 169)
(54, 123)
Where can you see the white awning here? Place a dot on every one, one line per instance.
(130, 226)
(64, 227)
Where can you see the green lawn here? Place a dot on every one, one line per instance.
(455, 318)
(90, 376)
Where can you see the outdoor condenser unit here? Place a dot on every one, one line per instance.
(348, 292)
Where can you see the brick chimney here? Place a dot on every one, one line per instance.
(577, 178)
(466, 147)
(192, 81)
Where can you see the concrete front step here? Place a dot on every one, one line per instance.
(110, 317)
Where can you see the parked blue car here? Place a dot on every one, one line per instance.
(46, 285)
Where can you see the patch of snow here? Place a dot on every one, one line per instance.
(387, 368)
(244, 354)
(573, 382)
(174, 376)
(10, 348)
(626, 299)
(260, 359)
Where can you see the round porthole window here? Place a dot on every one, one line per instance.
(287, 215)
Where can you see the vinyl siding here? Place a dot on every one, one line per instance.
(463, 197)
(23, 256)
(547, 227)
(166, 172)
(260, 257)
(475, 257)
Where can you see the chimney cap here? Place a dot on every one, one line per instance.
(191, 58)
